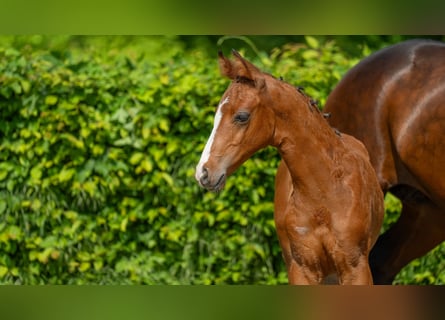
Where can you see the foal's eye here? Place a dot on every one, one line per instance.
(242, 117)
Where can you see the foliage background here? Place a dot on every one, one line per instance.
(99, 140)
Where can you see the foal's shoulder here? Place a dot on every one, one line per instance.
(355, 146)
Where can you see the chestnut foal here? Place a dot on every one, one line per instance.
(328, 202)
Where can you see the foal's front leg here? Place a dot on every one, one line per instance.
(301, 275)
(306, 261)
(355, 272)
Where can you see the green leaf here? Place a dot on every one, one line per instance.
(312, 42)
(14, 232)
(127, 141)
(167, 178)
(3, 174)
(26, 85)
(136, 158)
(76, 142)
(120, 115)
(98, 265)
(51, 100)
(3, 271)
(36, 173)
(145, 166)
(16, 87)
(164, 125)
(2, 207)
(84, 266)
(310, 54)
(123, 225)
(66, 174)
(48, 242)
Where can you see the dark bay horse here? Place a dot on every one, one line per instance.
(328, 203)
(394, 102)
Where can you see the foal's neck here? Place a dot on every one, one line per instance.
(307, 143)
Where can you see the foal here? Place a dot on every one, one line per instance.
(328, 203)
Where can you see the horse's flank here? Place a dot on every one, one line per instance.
(393, 101)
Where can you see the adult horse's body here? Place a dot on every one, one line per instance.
(328, 203)
(394, 102)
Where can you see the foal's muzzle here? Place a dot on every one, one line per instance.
(206, 181)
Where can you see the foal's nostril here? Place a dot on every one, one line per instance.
(204, 177)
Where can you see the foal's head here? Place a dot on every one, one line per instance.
(244, 123)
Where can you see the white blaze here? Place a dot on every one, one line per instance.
(206, 153)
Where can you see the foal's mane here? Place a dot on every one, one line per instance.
(244, 80)
(312, 103)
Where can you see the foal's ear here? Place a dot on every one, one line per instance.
(240, 67)
(225, 66)
(245, 68)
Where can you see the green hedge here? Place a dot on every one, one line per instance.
(99, 141)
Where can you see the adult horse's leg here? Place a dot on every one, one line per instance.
(420, 228)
